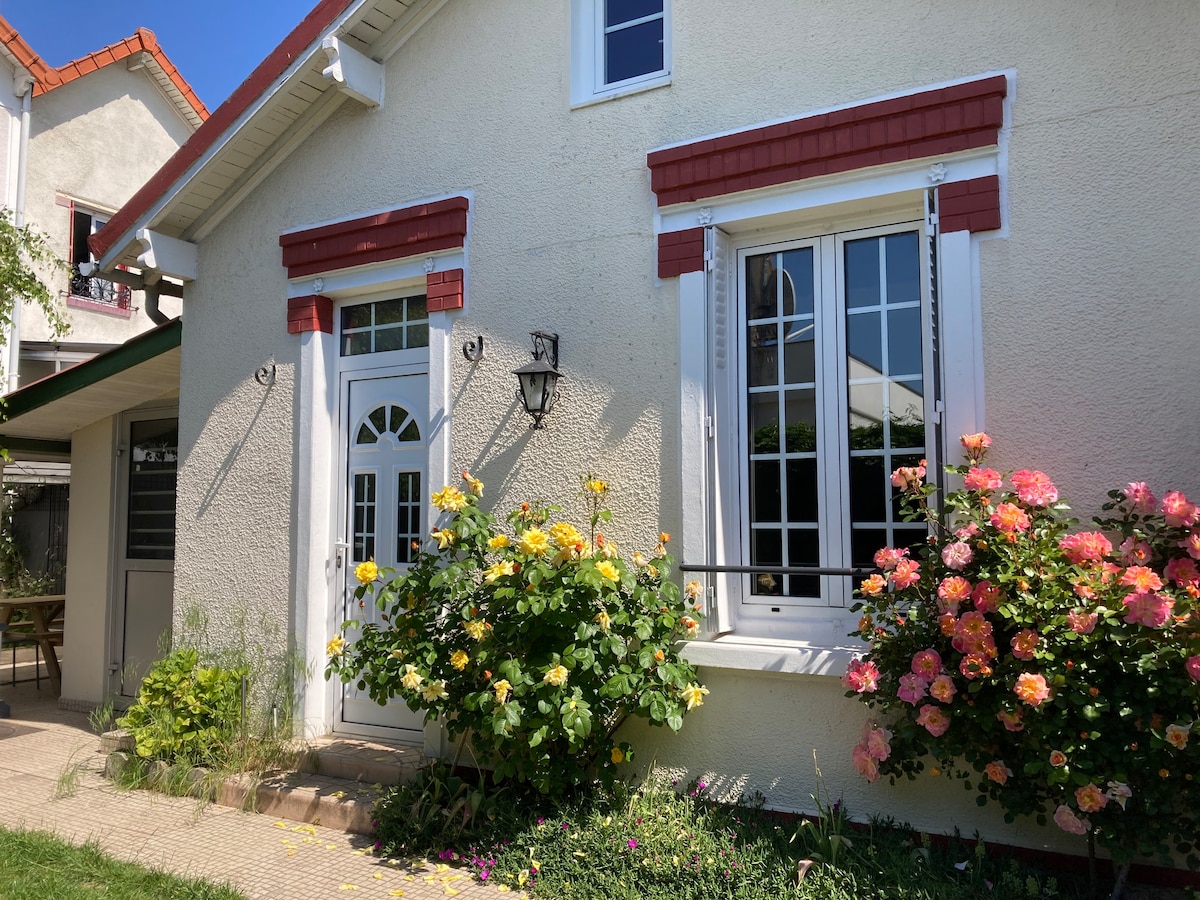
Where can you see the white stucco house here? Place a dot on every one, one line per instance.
(76, 141)
(949, 218)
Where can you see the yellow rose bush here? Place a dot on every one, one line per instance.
(534, 643)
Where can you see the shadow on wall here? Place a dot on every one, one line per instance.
(235, 450)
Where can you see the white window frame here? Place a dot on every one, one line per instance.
(815, 639)
(588, 84)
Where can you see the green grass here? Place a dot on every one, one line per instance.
(35, 865)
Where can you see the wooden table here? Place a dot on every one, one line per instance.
(39, 627)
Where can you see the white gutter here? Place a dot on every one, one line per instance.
(23, 88)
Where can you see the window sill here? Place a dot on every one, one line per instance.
(94, 306)
(602, 97)
(754, 654)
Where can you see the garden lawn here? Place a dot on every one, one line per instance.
(35, 865)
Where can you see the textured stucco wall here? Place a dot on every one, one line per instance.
(95, 140)
(89, 564)
(1088, 302)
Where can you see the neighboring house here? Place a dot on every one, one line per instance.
(76, 141)
(784, 252)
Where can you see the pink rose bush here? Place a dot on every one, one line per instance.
(1056, 670)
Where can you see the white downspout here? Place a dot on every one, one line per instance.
(23, 88)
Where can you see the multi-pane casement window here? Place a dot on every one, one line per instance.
(90, 289)
(619, 45)
(832, 389)
(400, 323)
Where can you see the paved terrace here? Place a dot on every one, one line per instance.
(43, 748)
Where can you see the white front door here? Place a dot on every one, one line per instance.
(386, 450)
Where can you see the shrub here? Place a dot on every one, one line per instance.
(533, 646)
(1062, 670)
(185, 712)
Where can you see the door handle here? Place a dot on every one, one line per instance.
(340, 548)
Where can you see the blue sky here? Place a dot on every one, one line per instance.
(215, 43)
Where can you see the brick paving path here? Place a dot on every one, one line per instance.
(43, 749)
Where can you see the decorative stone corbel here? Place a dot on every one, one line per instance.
(352, 72)
(166, 255)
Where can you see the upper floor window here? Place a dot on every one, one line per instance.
(89, 290)
(619, 46)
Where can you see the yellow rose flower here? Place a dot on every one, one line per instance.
(565, 535)
(693, 695)
(503, 689)
(693, 590)
(459, 659)
(596, 486)
(556, 676)
(499, 570)
(445, 538)
(336, 645)
(691, 626)
(603, 620)
(499, 542)
(475, 628)
(412, 678)
(435, 690)
(449, 499)
(474, 485)
(639, 559)
(366, 572)
(608, 570)
(618, 756)
(534, 542)
(652, 571)
(397, 654)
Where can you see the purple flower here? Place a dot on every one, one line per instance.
(633, 843)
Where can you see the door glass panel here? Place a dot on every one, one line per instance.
(153, 460)
(364, 516)
(408, 515)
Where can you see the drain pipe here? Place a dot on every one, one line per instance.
(23, 88)
(157, 316)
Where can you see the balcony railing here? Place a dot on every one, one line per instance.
(99, 291)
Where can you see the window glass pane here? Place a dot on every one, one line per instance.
(391, 338)
(802, 490)
(418, 336)
(766, 549)
(804, 549)
(869, 489)
(907, 416)
(417, 309)
(354, 344)
(378, 419)
(763, 366)
(904, 341)
(356, 316)
(863, 544)
(865, 345)
(764, 423)
(761, 293)
(633, 51)
(410, 433)
(365, 435)
(389, 312)
(364, 516)
(764, 491)
(862, 273)
(903, 268)
(799, 354)
(800, 408)
(799, 284)
(895, 493)
(618, 11)
(866, 416)
(153, 460)
(408, 514)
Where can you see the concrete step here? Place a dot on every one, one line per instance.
(370, 762)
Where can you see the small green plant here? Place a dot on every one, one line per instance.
(185, 712)
(532, 647)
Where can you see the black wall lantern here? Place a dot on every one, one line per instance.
(539, 379)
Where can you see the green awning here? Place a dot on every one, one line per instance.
(40, 418)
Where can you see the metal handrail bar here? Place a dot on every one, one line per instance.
(779, 570)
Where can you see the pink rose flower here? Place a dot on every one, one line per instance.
(1140, 496)
(1134, 552)
(967, 532)
(976, 445)
(927, 664)
(1193, 667)
(1058, 759)
(1141, 578)
(1066, 819)
(1011, 720)
(982, 480)
(1183, 572)
(1118, 792)
(1085, 547)
(997, 771)
(1191, 544)
(1178, 510)
(1031, 688)
(864, 763)
(861, 676)
(986, 597)
(887, 558)
(873, 586)
(909, 478)
(1151, 610)
(1034, 487)
(942, 689)
(1024, 643)
(877, 740)
(935, 721)
(906, 573)
(1177, 735)
(957, 555)
(1082, 622)
(912, 688)
(953, 591)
